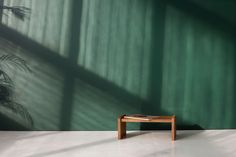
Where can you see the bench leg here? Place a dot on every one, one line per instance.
(173, 128)
(121, 128)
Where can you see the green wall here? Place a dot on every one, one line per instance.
(93, 60)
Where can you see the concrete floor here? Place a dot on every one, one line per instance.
(210, 143)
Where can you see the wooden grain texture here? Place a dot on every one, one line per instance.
(121, 128)
(173, 128)
(161, 119)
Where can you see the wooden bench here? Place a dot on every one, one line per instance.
(154, 119)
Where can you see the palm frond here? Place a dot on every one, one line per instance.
(5, 80)
(12, 60)
(18, 109)
(6, 86)
(19, 11)
(5, 93)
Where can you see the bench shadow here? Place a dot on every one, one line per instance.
(186, 134)
(136, 133)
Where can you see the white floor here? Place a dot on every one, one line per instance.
(210, 143)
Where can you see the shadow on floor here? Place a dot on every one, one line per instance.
(76, 147)
(185, 135)
(136, 133)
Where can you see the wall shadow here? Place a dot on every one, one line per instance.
(1, 11)
(70, 68)
(75, 148)
(72, 71)
(154, 107)
(8, 124)
(208, 16)
(68, 91)
(233, 122)
(156, 64)
(223, 25)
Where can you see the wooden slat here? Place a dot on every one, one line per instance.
(161, 120)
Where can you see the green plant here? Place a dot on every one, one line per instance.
(7, 86)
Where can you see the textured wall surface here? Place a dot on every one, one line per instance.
(198, 71)
(118, 48)
(48, 23)
(107, 57)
